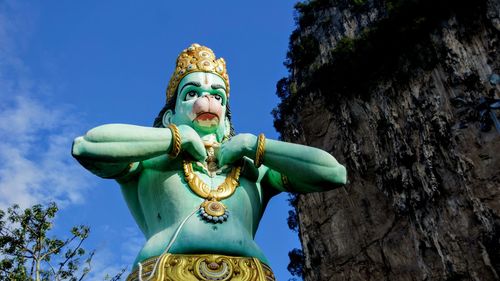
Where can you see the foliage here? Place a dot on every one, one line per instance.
(296, 265)
(283, 92)
(296, 256)
(304, 11)
(396, 47)
(358, 2)
(293, 220)
(303, 52)
(28, 253)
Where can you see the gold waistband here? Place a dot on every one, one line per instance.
(177, 267)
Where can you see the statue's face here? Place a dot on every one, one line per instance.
(201, 104)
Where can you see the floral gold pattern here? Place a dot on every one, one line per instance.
(201, 189)
(174, 267)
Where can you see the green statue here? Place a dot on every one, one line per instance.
(196, 190)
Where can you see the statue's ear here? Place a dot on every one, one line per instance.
(167, 118)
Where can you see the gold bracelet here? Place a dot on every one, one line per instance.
(259, 154)
(176, 143)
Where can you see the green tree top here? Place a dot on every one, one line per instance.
(28, 253)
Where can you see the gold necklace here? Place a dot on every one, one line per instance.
(211, 209)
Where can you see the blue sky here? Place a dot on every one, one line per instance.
(68, 66)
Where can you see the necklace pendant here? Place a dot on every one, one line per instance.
(213, 211)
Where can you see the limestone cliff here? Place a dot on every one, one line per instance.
(393, 88)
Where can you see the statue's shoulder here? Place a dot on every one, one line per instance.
(130, 174)
(162, 163)
(153, 165)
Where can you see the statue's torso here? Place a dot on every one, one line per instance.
(166, 200)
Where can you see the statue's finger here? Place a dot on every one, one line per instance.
(218, 154)
(198, 151)
(221, 158)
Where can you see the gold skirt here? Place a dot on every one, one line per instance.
(177, 267)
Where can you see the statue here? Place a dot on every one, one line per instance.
(196, 190)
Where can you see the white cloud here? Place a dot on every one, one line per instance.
(102, 266)
(35, 136)
(134, 243)
(35, 161)
(108, 262)
(36, 133)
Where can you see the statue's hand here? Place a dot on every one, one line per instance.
(192, 143)
(237, 147)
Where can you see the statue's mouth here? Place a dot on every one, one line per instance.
(207, 119)
(204, 116)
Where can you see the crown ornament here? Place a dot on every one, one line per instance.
(196, 58)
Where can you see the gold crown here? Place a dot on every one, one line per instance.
(196, 58)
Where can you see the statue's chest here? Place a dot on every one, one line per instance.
(181, 191)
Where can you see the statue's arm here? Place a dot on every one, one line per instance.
(111, 150)
(300, 168)
(306, 169)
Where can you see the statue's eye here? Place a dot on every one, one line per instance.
(218, 98)
(191, 95)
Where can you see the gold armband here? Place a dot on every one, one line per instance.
(176, 141)
(259, 154)
(286, 183)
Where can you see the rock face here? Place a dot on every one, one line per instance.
(390, 88)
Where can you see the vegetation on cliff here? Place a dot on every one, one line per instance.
(396, 46)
